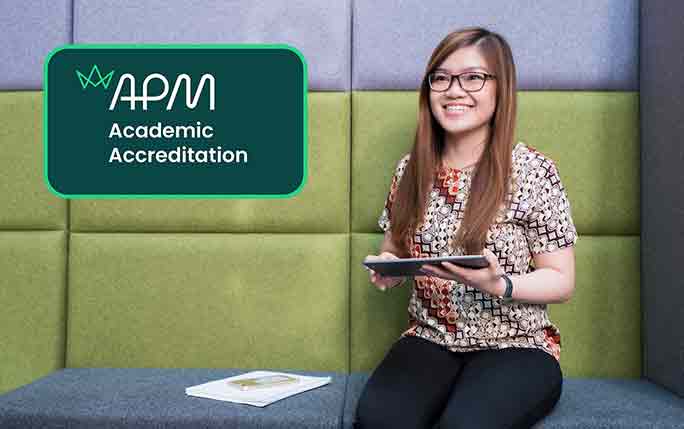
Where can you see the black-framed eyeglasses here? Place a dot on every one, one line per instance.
(441, 81)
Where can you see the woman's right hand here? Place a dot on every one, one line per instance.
(383, 282)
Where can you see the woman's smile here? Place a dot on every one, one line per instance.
(455, 110)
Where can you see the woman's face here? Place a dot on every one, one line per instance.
(458, 111)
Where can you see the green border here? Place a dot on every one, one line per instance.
(177, 46)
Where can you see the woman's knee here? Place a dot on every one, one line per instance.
(377, 410)
(397, 406)
(409, 387)
(525, 417)
(510, 388)
(384, 416)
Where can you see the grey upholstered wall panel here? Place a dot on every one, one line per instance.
(581, 44)
(320, 30)
(662, 181)
(30, 30)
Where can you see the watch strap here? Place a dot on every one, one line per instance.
(508, 294)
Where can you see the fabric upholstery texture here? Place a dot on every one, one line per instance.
(153, 398)
(26, 201)
(600, 326)
(598, 49)
(377, 318)
(319, 30)
(583, 132)
(662, 107)
(29, 32)
(586, 404)
(600, 335)
(251, 283)
(322, 205)
(208, 301)
(32, 293)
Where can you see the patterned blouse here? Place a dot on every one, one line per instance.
(538, 220)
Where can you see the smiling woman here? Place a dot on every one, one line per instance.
(467, 187)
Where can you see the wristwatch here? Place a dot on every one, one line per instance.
(508, 294)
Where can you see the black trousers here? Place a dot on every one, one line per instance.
(420, 384)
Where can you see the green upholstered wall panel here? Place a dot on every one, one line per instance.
(32, 293)
(209, 300)
(377, 318)
(26, 201)
(593, 137)
(322, 206)
(600, 325)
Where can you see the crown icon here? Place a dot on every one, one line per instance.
(100, 80)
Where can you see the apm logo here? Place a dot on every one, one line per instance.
(127, 84)
(101, 80)
(190, 101)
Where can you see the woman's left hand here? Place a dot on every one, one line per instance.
(485, 279)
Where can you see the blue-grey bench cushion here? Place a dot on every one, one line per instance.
(586, 404)
(155, 398)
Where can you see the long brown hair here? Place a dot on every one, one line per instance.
(490, 181)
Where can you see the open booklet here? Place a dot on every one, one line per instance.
(258, 388)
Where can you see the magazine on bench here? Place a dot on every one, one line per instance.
(258, 388)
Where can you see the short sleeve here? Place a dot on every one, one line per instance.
(384, 221)
(549, 225)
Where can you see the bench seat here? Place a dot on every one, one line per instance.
(145, 398)
(155, 398)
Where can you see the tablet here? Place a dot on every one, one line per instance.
(411, 266)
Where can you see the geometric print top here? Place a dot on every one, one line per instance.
(538, 220)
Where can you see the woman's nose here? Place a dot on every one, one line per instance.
(455, 90)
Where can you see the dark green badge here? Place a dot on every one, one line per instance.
(166, 121)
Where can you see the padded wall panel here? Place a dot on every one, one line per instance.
(662, 157)
(30, 30)
(377, 318)
(32, 293)
(600, 325)
(322, 206)
(209, 300)
(592, 136)
(585, 44)
(320, 30)
(26, 201)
